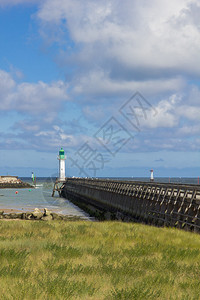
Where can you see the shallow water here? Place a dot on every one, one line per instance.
(40, 197)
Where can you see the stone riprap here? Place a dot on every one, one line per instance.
(37, 214)
(13, 182)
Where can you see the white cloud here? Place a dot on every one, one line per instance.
(32, 98)
(189, 130)
(194, 95)
(165, 116)
(99, 83)
(6, 82)
(136, 34)
(190, 112)
(115, 49)
(56, 136)
(7, 85)
(148, 46)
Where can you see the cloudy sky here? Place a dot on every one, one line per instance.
(116, 84)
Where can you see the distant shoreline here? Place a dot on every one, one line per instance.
(10, 210)
(22, 185)
(7, 182)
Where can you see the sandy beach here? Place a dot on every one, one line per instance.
(9, 210)
(13, 210)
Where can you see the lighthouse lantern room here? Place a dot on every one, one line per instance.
(61, 158)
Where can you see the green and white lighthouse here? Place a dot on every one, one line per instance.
(61, 158)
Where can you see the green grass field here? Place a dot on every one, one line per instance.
(88, 260)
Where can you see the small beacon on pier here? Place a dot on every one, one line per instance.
(61, 158)
(151, 178)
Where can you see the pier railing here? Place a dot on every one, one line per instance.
(176, 205)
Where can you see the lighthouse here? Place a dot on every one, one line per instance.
(151, 178)
(61, 158)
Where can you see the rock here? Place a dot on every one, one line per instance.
(56, 216)
(47, 218)
(23, 217)
(13, 215)
(37, 214)
(36, 210)
(7, 216)
(47, 212)
(1, 212)
(19, 215)
(29, 215)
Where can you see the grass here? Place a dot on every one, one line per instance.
(108, 260)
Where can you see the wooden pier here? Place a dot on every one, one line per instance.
(163, 204)
(58, 186)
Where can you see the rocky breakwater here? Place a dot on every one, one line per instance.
(37, 214)
(13, 182)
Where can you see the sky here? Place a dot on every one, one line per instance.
(116, 84)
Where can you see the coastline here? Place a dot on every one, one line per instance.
(36, 214)
(23, 200)
(21, 185)
(13, 182)
(10, 210)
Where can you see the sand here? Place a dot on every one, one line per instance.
(10, 210)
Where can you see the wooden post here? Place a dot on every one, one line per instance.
(58, 188)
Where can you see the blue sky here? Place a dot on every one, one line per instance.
(116, 84)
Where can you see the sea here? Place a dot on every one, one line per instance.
(41, 196)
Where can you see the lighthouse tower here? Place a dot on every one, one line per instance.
(151, 178)
(61, 158)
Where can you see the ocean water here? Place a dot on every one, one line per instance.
(40, 197)
(181, 180)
